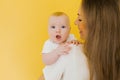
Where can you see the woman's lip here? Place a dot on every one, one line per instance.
(80, 32)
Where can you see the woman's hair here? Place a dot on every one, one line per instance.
(102, 45)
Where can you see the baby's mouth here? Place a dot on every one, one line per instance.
(58, 36)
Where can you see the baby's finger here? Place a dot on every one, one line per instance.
(65, 52)
(67, 49)
(69, 42)
(66, 44)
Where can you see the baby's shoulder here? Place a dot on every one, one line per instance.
(48, 41)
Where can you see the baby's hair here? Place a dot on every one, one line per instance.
(59, 14)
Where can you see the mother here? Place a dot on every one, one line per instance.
(99, 24)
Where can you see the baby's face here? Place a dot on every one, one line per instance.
(58, 28)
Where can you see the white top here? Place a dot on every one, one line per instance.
(73, 66)
(49, 45)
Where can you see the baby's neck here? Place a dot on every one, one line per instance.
(63, 42)
(59, 43)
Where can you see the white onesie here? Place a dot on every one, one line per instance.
(73, 66)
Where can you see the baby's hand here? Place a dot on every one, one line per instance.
(75, 42)
(63, 49)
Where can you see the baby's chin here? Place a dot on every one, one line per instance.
(57, 41)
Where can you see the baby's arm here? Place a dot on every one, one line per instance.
(54, 55)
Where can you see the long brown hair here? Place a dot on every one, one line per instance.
(102, 45)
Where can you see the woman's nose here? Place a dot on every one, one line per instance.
(76, 22)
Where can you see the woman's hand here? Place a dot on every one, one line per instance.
(75, 42)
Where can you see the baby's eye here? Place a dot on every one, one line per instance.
(63, 26)
(53, 27)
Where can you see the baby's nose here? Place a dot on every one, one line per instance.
(58, 31)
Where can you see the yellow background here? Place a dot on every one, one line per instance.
(23, 30)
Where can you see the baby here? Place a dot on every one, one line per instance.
(59, 54)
